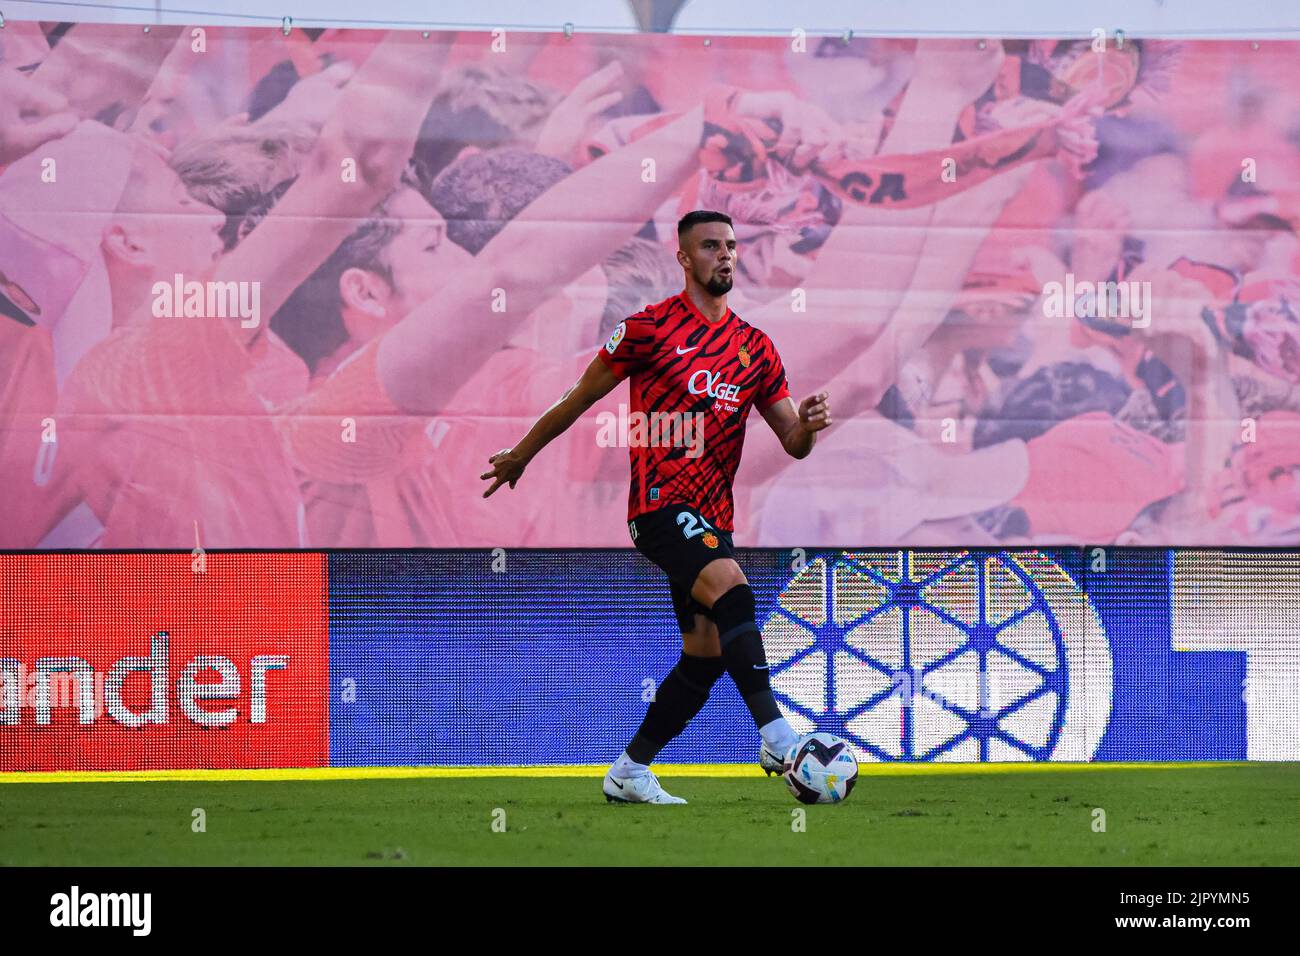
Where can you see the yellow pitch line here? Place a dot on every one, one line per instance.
(577, 770)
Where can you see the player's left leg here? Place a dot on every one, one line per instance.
(722, 587)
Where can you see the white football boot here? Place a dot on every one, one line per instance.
(770, 760)
(641, 789)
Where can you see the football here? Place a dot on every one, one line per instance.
(821, 768)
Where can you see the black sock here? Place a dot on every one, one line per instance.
(678, 699)
(742, 652)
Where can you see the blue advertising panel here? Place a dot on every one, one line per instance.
(550, 657)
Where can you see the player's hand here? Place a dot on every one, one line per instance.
(808, 133)
(1077, 133)
(1101, 222)
(312, 99)
(574, 116)
(815, 412)
(30, 115)
(1020, 111)
(1043, 264)
(506, 467)
(1174, 311)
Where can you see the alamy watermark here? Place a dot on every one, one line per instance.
(208, 300)
(75, 908)
(654, 430)
(1127, 301)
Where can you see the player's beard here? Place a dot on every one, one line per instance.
(718, 285)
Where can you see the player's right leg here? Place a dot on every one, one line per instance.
(684, 690)
(677, 699)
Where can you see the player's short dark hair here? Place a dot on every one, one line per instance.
(484, 106)
(478, 195)
(696, 217)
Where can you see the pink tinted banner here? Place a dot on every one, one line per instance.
(293, 291)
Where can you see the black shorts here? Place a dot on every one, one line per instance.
(680, 541)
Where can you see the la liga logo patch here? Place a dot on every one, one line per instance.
(615, 337)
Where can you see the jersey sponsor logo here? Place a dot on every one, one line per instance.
(705, 382)
(742, 353)
(615, 337)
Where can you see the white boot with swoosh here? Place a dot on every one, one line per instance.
(643, 788)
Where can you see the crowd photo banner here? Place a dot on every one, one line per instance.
(290, 289)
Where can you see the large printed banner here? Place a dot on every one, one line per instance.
(291, 291)
(456, 658)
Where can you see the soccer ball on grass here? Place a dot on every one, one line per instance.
(820, 768)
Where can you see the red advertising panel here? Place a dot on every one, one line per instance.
(156, 661)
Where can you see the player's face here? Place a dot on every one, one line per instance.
(168, 229)
(709, 252)
(421, 257)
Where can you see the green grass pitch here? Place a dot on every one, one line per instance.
(1230, 815)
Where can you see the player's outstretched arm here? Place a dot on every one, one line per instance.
(1186, 344)
(797, 428)
(961, 225)
(96, 70)
(432, 352)
(371, 127)
(509, 463)
(948, 78)
(863, 379)
(30, 115)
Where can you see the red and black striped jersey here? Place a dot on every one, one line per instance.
(693, 384)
